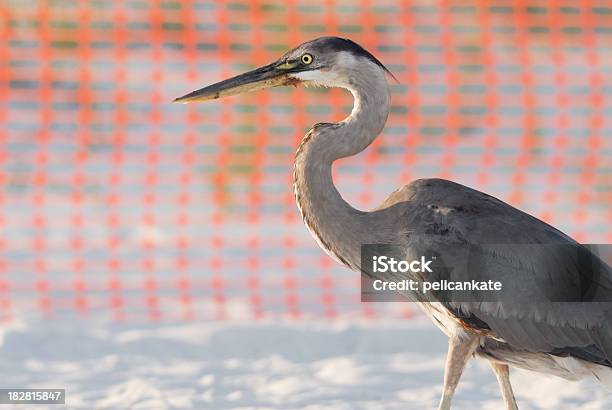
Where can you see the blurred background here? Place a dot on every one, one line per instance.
(116, 203)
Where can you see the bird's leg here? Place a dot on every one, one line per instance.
(502, 372)
(460, 349)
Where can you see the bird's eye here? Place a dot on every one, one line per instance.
(306, 59)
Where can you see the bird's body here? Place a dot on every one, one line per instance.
(569, 339)
(450, 207)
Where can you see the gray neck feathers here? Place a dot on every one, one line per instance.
(339, 228)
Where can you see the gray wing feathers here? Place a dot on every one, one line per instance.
(448, 214)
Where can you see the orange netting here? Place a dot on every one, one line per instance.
(115, 201)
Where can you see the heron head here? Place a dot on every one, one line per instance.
(325, 61)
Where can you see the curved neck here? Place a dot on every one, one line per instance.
(339, 228)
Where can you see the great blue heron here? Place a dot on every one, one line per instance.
(567, 339)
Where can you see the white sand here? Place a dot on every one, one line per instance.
(277, 365)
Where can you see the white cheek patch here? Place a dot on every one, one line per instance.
(315, 75)
(319, 78)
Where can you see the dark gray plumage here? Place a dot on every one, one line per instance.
(525, 327)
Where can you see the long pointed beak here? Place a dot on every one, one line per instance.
(264, 77)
